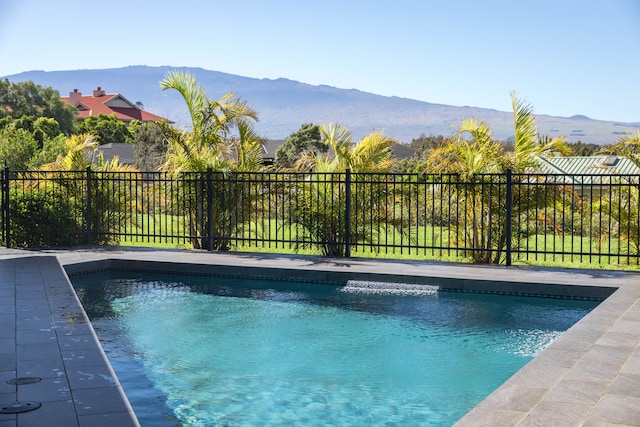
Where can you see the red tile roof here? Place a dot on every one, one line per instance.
(108, 103)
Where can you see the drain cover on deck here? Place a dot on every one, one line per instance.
(24, 380)
(18, 407)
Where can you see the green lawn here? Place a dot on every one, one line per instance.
(421, 243)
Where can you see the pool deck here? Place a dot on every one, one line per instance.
(590, 376)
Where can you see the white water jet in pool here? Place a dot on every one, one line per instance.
(388, 288)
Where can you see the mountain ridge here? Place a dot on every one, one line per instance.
(284, 105)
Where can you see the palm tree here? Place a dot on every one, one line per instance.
(627, 145)
(623, 204)
(320, 200)
(474, 155)
(472, 149)
(221, 140)
(110, 198)
(80, 154)
(211, 142)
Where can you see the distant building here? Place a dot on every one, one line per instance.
(123, 151)
(269, 149)
(606, 164)
(108, 103)
(589, 175)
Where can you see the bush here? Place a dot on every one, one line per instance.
(40, 219)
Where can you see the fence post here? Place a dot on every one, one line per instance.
(89, 217)
(509, 219)
(347, 214)
(209, 209)
(5, 206)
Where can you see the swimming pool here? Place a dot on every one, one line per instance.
(224, 351)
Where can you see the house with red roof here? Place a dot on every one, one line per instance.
(108, 103)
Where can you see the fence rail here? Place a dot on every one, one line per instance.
(497, 218)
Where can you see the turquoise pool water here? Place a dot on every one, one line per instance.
(207, 351)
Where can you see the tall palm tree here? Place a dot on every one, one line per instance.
(221, 139)
(472, 153)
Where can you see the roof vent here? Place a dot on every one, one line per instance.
(610, 160)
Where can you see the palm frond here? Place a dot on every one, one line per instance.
(192, 93)
(372, 153)
(338, 138)
(248, 147)
(79, 150)
(627, 145)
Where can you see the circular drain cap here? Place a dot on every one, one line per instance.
(18, 407)
(24, 380)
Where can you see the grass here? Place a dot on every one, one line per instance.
(421, 243)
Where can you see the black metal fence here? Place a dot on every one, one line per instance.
(497, 218)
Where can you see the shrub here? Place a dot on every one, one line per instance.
(40, 219)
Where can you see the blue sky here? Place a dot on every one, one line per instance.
(565, 57)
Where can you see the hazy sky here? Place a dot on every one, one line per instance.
(565, 57)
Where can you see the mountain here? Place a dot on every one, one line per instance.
(284, 105)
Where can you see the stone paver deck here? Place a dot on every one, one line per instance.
(590, 376)
(45, 337)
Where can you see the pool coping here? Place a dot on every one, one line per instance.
(589, 376)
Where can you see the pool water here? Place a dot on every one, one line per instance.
(208, 351)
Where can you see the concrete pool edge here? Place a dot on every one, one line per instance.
(318, 275)
(590, 376)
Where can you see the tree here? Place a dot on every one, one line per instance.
(622, 205)
(221, 139)
(51, 149)
(17, 147)
(627, 145)
(211, 142)
(319, 205)
(28, 99)
(305, 140)
(474, 155)
(29, 141)
(424, 144)
(583, 149)
(106, 129)
(421, 147)
(45, 128)
(149, 139)
(111, 196)
(42, 128)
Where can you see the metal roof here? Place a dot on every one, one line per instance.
(592, 165)
(582, 168)
(124, 152)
